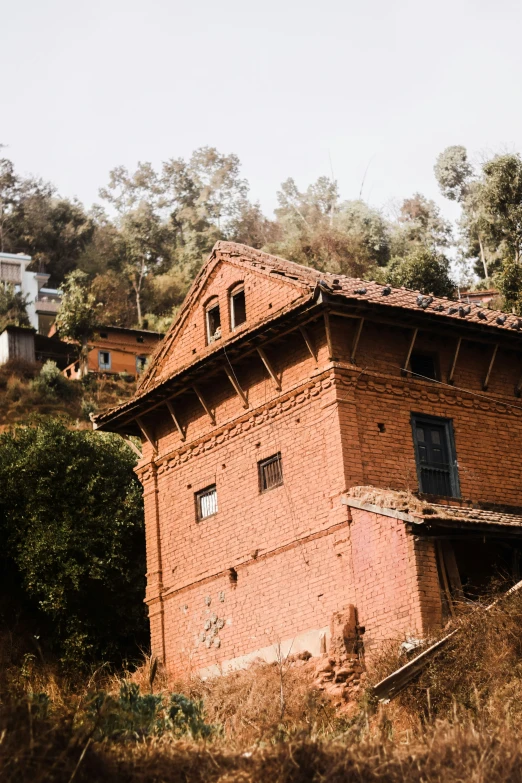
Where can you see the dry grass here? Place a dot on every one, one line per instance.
(461, 721)
(20, 399)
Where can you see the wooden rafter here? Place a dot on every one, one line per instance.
(235, 383)
(328, 334)
(405, 369)
(309, 343)
(203, 403)
(490, 368)
(146, 433)
(454, 362)
(175, 419)
(269, 367)
(356, 339)
(133, 446)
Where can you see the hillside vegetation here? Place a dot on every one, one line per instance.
(462, 721)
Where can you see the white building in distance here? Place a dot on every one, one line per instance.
(42, 303)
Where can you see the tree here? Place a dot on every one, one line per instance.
(146, 243)
(12, 307)
(420, 223)
(458, 182)
(501, 198)
(422, 270)
(71, 521)
(78, 316)
(114, 296)
(314, 228)
(510, 286)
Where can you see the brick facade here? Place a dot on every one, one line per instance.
(269, 569)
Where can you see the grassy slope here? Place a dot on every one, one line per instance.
(461, 722)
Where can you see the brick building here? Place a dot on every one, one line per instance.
(312, 443)
(116, 349)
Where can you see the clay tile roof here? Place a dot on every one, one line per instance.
(472, 516)
(372, 292)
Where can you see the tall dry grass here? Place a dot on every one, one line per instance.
(461, 721)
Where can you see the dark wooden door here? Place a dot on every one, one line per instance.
(434, 458)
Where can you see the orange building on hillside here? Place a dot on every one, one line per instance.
(317, 447)
(115, 349)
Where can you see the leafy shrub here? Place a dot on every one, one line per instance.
(142, 715)
(51, 383)
(71, 525)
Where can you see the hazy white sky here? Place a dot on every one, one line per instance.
(285, 84)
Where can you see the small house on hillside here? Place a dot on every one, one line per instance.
(318, 447)
(116, 349)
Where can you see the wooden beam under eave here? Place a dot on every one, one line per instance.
(235, 383)
(488, 374)
(405, 369)
(454, 362)
(175, 419)
(204, 404)
(135, 449)
(356, 339)
(146, 433)
(269, 367)
(328, 334)
(309, 343)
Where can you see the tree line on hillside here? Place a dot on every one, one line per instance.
(136, 255)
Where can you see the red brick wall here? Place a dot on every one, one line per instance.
(264, 294)
(291, 548)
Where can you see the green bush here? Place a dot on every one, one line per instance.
(135, 715)
(71, 526)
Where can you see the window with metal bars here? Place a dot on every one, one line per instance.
(270, 472)
(206, 502)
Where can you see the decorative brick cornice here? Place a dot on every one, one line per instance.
(269, 412)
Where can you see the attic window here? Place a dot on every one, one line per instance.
(103, 335)
(213, 322)
(139, 338)
(237, 307)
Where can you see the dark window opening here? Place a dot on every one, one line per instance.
(424, 366)
(237, 308)
(141, 362)
(473, 566)
(206, 502)
(213, 323)
(104, 360)
(270, 473)
(140, 338)
(435, 454)
(103, 335)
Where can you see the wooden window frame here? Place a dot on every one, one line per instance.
(261, 465)
(416, 419)
(197, 500)
(106, 365)
(212, 305)
(237, 289)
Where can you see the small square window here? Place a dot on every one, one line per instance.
(103, 335)
(270, 473)
(206, 502)
(139, 338)
(213, 323)
(237, 307)
(141, 362)
(424, 366)
(104, 360)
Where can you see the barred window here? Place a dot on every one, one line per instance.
(206, 502)
(270, 472)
